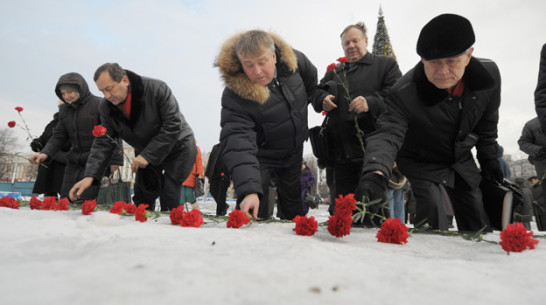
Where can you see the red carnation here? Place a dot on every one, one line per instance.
(118, 207)
(99, 131)
(177, 214)
(515, 238)
(19, 109)
(345, 205)
(324, 113)
(35, 203)
(88, 207)
(222, 174)
(130, 208)
(140, 213)
(237, 219)
(339, 225)
(49, 203)
(192, 219)
(331, 67)
(343, 59)
(62, 204)
(306, 226)
(11, 124)
(393, 231)
(9, 202)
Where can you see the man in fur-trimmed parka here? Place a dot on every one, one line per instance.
(264, 119)
(436, 113)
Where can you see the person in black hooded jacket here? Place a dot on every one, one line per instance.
(144, 113)
(77, 117)
(264, 119)
(436, 113)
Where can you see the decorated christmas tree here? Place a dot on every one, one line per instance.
(381, 41)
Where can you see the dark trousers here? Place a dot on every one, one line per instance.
(466, 201)
(287, 181)
(218, 190)
(346, 177)
(169, 194)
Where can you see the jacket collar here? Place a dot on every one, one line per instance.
(476, 77)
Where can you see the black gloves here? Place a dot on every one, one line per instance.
(372, 186)
(542, 152)
(491, 170)
(36, 146)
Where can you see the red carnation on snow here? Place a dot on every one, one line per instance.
(62, 205)
(192, 218)
(515, 238)
(177, 214)
(35, 203)
(88, 207)
(11, 124)
(118, 207)
(49, 203)
(99, 131)
(237, 219)
(345, 205)
(343, 59)
(339, 225)
(331, 67)
(306, 226)
(9, 202)
(130, 208)
(19, 109)
(141, 213)
(393, 231)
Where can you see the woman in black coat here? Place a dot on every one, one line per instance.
(49, 180)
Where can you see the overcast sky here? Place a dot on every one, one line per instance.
(178, 41)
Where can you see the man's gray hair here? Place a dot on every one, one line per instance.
(253, 42)
(115, 71)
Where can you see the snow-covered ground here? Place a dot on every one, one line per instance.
(64, 257)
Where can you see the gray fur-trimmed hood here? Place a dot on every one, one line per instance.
(235, 78)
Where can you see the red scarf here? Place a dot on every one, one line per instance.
(126, 107)
(458, 91)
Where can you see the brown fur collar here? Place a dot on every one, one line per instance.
(235, 78)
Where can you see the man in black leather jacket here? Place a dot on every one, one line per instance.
(145, 114)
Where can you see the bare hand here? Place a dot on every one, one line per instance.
(139, 162)
(328, 104)
(38, 158)
(359, 105)
(114, 168)
(79, 188)
(250, 202)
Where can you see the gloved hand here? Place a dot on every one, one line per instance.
(491, 170)
(373, 186)
(542, 152)
(36, 146)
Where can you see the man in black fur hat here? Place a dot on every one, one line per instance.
(436, 113)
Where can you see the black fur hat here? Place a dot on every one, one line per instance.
(447, 35)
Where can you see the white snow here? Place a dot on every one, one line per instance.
(64, 257)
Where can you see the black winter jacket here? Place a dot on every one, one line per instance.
(540, 91)
(156, 129)
(76, 123)
(264, 125)
(432, 132)
(369, 77)
(532, 139)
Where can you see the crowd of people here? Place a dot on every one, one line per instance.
(389, 134)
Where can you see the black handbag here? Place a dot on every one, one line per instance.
(499, 202)
(319, 143)
(114, 189)
(199, 189)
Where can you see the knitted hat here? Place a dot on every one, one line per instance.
(445, 36)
